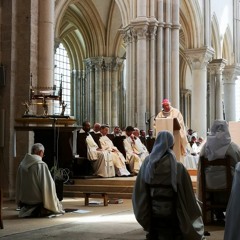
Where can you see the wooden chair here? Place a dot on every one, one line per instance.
(81, 165)
(118, 142)
(209, 203)
(96, 137)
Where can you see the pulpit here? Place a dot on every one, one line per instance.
(172, 125)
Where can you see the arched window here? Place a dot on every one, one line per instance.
(62, 75)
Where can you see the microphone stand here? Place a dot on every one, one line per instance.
(149, 121)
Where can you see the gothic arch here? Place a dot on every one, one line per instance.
(191, 24)
(124, 6)
(227, 52)
(80, 28)
(216, 39)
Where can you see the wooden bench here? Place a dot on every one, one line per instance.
(88, 195)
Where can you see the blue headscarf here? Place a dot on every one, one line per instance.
(162, 146)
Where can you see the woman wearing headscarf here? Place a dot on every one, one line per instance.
(218, 145)
(163, 199)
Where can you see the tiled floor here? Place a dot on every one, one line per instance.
(94, 222)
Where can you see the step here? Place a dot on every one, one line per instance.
(99, 188)
(78, 194)
(118, 187)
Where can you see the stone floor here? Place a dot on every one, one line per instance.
(93, 222)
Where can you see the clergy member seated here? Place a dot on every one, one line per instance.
(35, 189)
(101, 160)
(143, 152)
(116, 131)
(96, 128)
(118, 159)
(132, 153)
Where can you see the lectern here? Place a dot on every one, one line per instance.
(173, 126)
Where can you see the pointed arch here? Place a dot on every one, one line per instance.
(191, 24)
(124, 7)
(216, 39)
(227, 52)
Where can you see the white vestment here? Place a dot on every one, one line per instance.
(175, 113)
(35, 186)
(132, 155)
(102, 161)
(116, 155)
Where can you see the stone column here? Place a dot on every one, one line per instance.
(141, 8)
(116, 93)
(198, 59)
(167, 48)
(129, 41)
(216, 95)
(230, 74)
(46, 43)
(151, 108)
(159, 52)
(140, 27)
(90, 90)
(98, 88)
(107, 89)
(175, 54)
(212, 96)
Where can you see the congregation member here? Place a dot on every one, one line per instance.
(143, 137)
(101, 161)
(169, 112)
(35, 189)
(150, 134)
(116, 131)
(218, 145)
(150, 139)
(96, 128)
(118, 159)
(163, 200)
(132, 154)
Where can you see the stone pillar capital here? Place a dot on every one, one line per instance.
(216, 66)
(127, 35)
(230, 73)
(139, 28)
(153, 25)
(199, 58)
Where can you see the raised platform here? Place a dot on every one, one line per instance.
(118, 187)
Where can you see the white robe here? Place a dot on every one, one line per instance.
(132, 155)
(116, 155)
(175, 113)
(102, 161)
(35, 185)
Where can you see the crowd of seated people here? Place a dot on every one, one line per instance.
(119, 153)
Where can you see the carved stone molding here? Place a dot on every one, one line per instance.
(230, 73)
(198, 58)
(216, 66)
